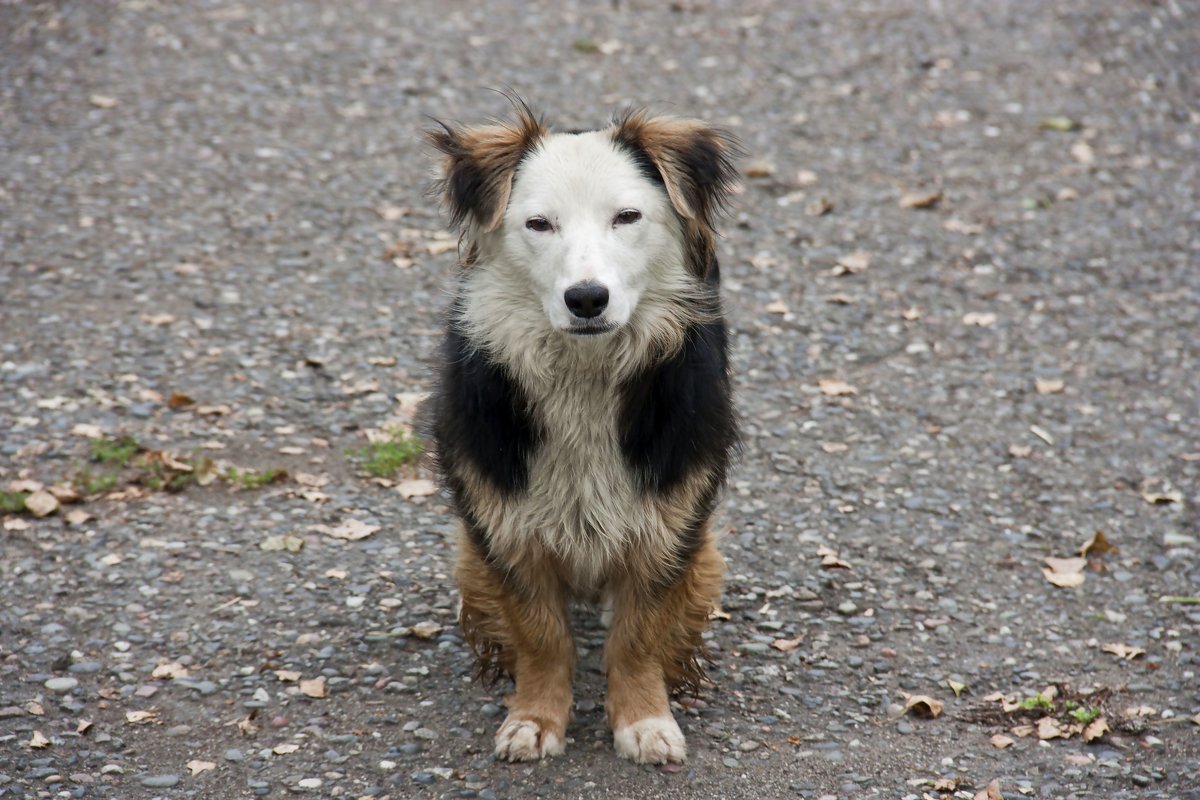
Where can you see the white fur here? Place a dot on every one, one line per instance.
(523, 740)
(653, 740)
(581, 502)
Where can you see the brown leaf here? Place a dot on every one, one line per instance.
(1065, 572)
(1095, 729)
(979, 319)
(1098, 545)
(77, 516)
(921, 705)
(196, 766)
(284, 749)
(416, 488)
(759, 169)
(1000, 741)
(172, 671)
(87, 430)
(819, 207)
(179, 400)
(1123, 651)
(426, 630)
(990, 792)
(1022, 731)
(829, 558)
(1155, 491)
(41, 503)
(852, 263)
(65, 493)
(352, 530)
(832, 387)
(1020, 450)
(920, 199)
(787, 645)
(1049, 728)
(83, 726)
(38, 741)
(102, 101)
(1049, 385)
(141, 717)
(287, 675)
(313, 688)
(776, 307)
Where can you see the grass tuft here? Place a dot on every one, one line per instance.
(250, 479)
(114, 451)
(385, 459)
(12, 502)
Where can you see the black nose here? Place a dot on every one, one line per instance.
(587, 299)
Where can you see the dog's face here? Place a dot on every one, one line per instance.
(589, 229)
(585, 224)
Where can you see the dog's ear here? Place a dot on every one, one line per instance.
(479, 164)
(694, 161)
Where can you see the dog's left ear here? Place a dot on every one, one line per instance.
(695, 161)
(479, 164)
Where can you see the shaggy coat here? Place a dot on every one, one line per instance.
(585, 452)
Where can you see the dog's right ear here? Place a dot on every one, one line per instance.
(479, 164)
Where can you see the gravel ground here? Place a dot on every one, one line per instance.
(223, 203)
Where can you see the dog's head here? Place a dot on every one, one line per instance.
(588, 223)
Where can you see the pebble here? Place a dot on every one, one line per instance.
(749, 746)
(61, 685)
(233, 754)
(85, 667)
(159, 781)
(425, 733)
(309, 783)
(421, 776)
(847, 607)
(489, 709)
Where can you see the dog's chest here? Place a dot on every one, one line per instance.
(581, 501)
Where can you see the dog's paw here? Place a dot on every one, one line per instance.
(526, 740)
(653, 740)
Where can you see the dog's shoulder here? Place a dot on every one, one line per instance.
(481, 416)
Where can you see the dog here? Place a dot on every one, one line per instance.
(583, 421)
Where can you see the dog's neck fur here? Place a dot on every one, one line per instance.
(502, 317)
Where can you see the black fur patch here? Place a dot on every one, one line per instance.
(677, 416)
(640, 157)
(481, 418)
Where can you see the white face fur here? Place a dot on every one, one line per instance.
(583, 219)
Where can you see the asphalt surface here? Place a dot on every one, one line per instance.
(227, 201)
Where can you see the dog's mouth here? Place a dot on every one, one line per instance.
(591, 328)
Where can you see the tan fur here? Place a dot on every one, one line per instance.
(493, 153)
(523, 632)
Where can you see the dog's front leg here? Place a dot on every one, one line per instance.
(520, 619)
(652, 648)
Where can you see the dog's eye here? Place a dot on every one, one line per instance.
(627, 217)
(539, 224)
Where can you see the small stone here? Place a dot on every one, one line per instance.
(424, 733)
(85, 667)
(1140, 780)
(309, 783)
(61, 685)
(421, 776)
(749, 746)
(160, 781)
(489, 709)
(847, 608)
(233, 754)
(732, 763)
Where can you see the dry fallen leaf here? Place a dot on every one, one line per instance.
(77, 516)
(832, 387)
(38, 741)
(920, 199)
(292, 544)
(1132, 712)
(41, 503)
(1098, 545)
(1082, 152)
(923, 706)
(352, 530)
(989, 792)
(1065, 572)
(1095, 729)
(1123, 651)
(284, 749)
(416, 488)
(1049, 385)
(313, 688)
(179, 400)
(787, 645)
(776, 307)
(141, 717)
(835, 447)
(87, 430)
(1020, 450)
(956, 687)
(102, 101)
(196, 766)
(829, 558)
(819, 207)
(1000, 741)
(15, 524)
(172, 670)
(1022, 731)
(852, 263)
(426, 630)
(1049, 728)
(287, 675)
(1155, 491)
(980, 319)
